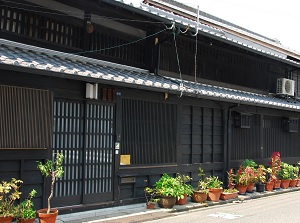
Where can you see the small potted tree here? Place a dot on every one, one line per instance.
(52, 169)
(24, 211)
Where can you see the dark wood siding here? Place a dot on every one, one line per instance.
(276, 139)
(149, 131)
(246, 141)
(265, 135)
(201, 135)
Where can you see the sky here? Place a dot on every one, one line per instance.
(276, 19)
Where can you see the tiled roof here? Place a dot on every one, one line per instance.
(17, 55)
(263, 45)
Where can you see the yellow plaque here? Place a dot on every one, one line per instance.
(125, 160)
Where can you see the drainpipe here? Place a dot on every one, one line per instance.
(157, 44)
(229, 136)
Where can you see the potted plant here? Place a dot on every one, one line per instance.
(260, 178)
(200, 193)
(187, 188)
(298, 178)
(169, 190)
(52, 169)
(230, 192)
(214, 185)
(252, 179)
(294, 176)
(270, 179)
(275, 165)
(285, 174)
(24, 211)
(244, 175)
(151, 199)
(9, 193)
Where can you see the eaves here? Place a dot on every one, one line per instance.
(31, 59)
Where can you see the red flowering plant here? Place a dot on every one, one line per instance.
(275, 166)
(245, 175)
(231, 178)
(231, 182)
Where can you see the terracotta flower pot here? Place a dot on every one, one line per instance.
(277, 184)
(250, 187)
(227, 196)
(269, 186)
(6, 219)
(285, 184)
(182, 201)
(214, 194)
(47, 218)
(298, 183)
(293, 183)
(150, 205)
(241, 188)
(25, 220)
(199, 197)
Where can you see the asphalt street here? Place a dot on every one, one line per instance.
(281, 208)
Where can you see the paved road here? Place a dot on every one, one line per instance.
(282, 208)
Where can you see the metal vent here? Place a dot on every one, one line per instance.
(242, 120)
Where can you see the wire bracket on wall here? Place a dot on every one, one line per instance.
(172, 26)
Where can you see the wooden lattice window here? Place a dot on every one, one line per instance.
(25, 117)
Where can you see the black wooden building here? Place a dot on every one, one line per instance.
(130, 92)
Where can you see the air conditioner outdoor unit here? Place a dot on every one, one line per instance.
(285, 86)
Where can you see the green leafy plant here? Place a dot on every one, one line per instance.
(183, 179)
(230, 190)
(202, 185)
(286, 171)
(25, 209)
(9, 193)
(249, 162)
(295, 172)
(169, 186)
(53, 169)
(213, 182)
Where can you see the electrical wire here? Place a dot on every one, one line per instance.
(178, 63)
(196, 47)
(125, 44)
